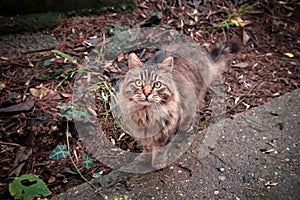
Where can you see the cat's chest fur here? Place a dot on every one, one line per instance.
(154, 117)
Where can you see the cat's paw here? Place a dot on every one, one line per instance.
(144, 157)
(159, 163)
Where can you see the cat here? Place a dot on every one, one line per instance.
(157, 98)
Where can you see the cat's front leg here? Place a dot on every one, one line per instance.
(145, 156)
(159, 157)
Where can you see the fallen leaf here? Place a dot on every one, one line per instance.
(261, 179)
(66, 95)
(270, 150)
(41, 92)
(44, 107)
(2, 86)
(238, 21)
(269, 183)
(24, 106)
(16, 172)
(241, 65)
(22, 155)
(4, 58)
(247, 105)
(246, 37)
(290, 55)
(67, 170)
(51, 179)
(47, 62)
(236, 100)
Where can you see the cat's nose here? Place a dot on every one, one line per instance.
(147, 90)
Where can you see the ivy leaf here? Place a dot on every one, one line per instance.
(27, 187)
(126, 197)
(70, 112)
(97, 175)
(47, 62)
(60, 151)
(88, 163)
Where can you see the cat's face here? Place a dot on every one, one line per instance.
(149, 84)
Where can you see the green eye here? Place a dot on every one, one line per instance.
(157, 84)
(138, 83)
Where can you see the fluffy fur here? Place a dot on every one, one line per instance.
(157, 99)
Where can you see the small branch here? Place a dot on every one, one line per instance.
(9, 143)
(39, 50)
(244, 97)
(76, 167)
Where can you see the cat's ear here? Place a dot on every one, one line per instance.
(134, 61)
(167, 63)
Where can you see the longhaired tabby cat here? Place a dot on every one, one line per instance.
(153, 101)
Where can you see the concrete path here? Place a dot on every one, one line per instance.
(256, 157)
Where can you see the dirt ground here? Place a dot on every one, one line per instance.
(38, 81)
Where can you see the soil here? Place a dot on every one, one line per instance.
(38, 81)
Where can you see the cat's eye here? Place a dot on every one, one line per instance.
(157, 84)
(138, 83)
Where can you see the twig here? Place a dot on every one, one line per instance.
(9, 143)
(39, 50)
(244, 97)
(98, 190)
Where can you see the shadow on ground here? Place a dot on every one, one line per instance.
(257, 157)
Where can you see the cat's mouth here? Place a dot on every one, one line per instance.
(143, 100)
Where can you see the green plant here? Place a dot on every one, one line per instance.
(27, 187)
(60, 151)
(105, 94)
(235, 18)
(63, 151)
(88, 163)
(70, 112)
(72, 72)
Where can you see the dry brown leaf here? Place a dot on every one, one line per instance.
(241, 65)
(246, 37)
(40, 91)
(24, 106)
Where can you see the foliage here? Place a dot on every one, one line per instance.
(235, 18)
(70, 73)
(105, 94)
(97, 175)
(47, 62)
(70, 112)
(88, 163)
(27, 187)
(60, 151)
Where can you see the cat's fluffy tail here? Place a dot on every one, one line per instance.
(221, 53)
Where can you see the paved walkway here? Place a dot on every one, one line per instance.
(256, 157)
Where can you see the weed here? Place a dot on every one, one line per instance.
(70, 73)
(28, 187)
(235, 18)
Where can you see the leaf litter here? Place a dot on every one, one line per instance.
(268, 66)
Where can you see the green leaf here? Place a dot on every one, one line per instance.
(64, 107)
(97, 175)
(59, 152)
(71, 112)
(27, 187)
(66, 56)
(47, 62)
(88, 163)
